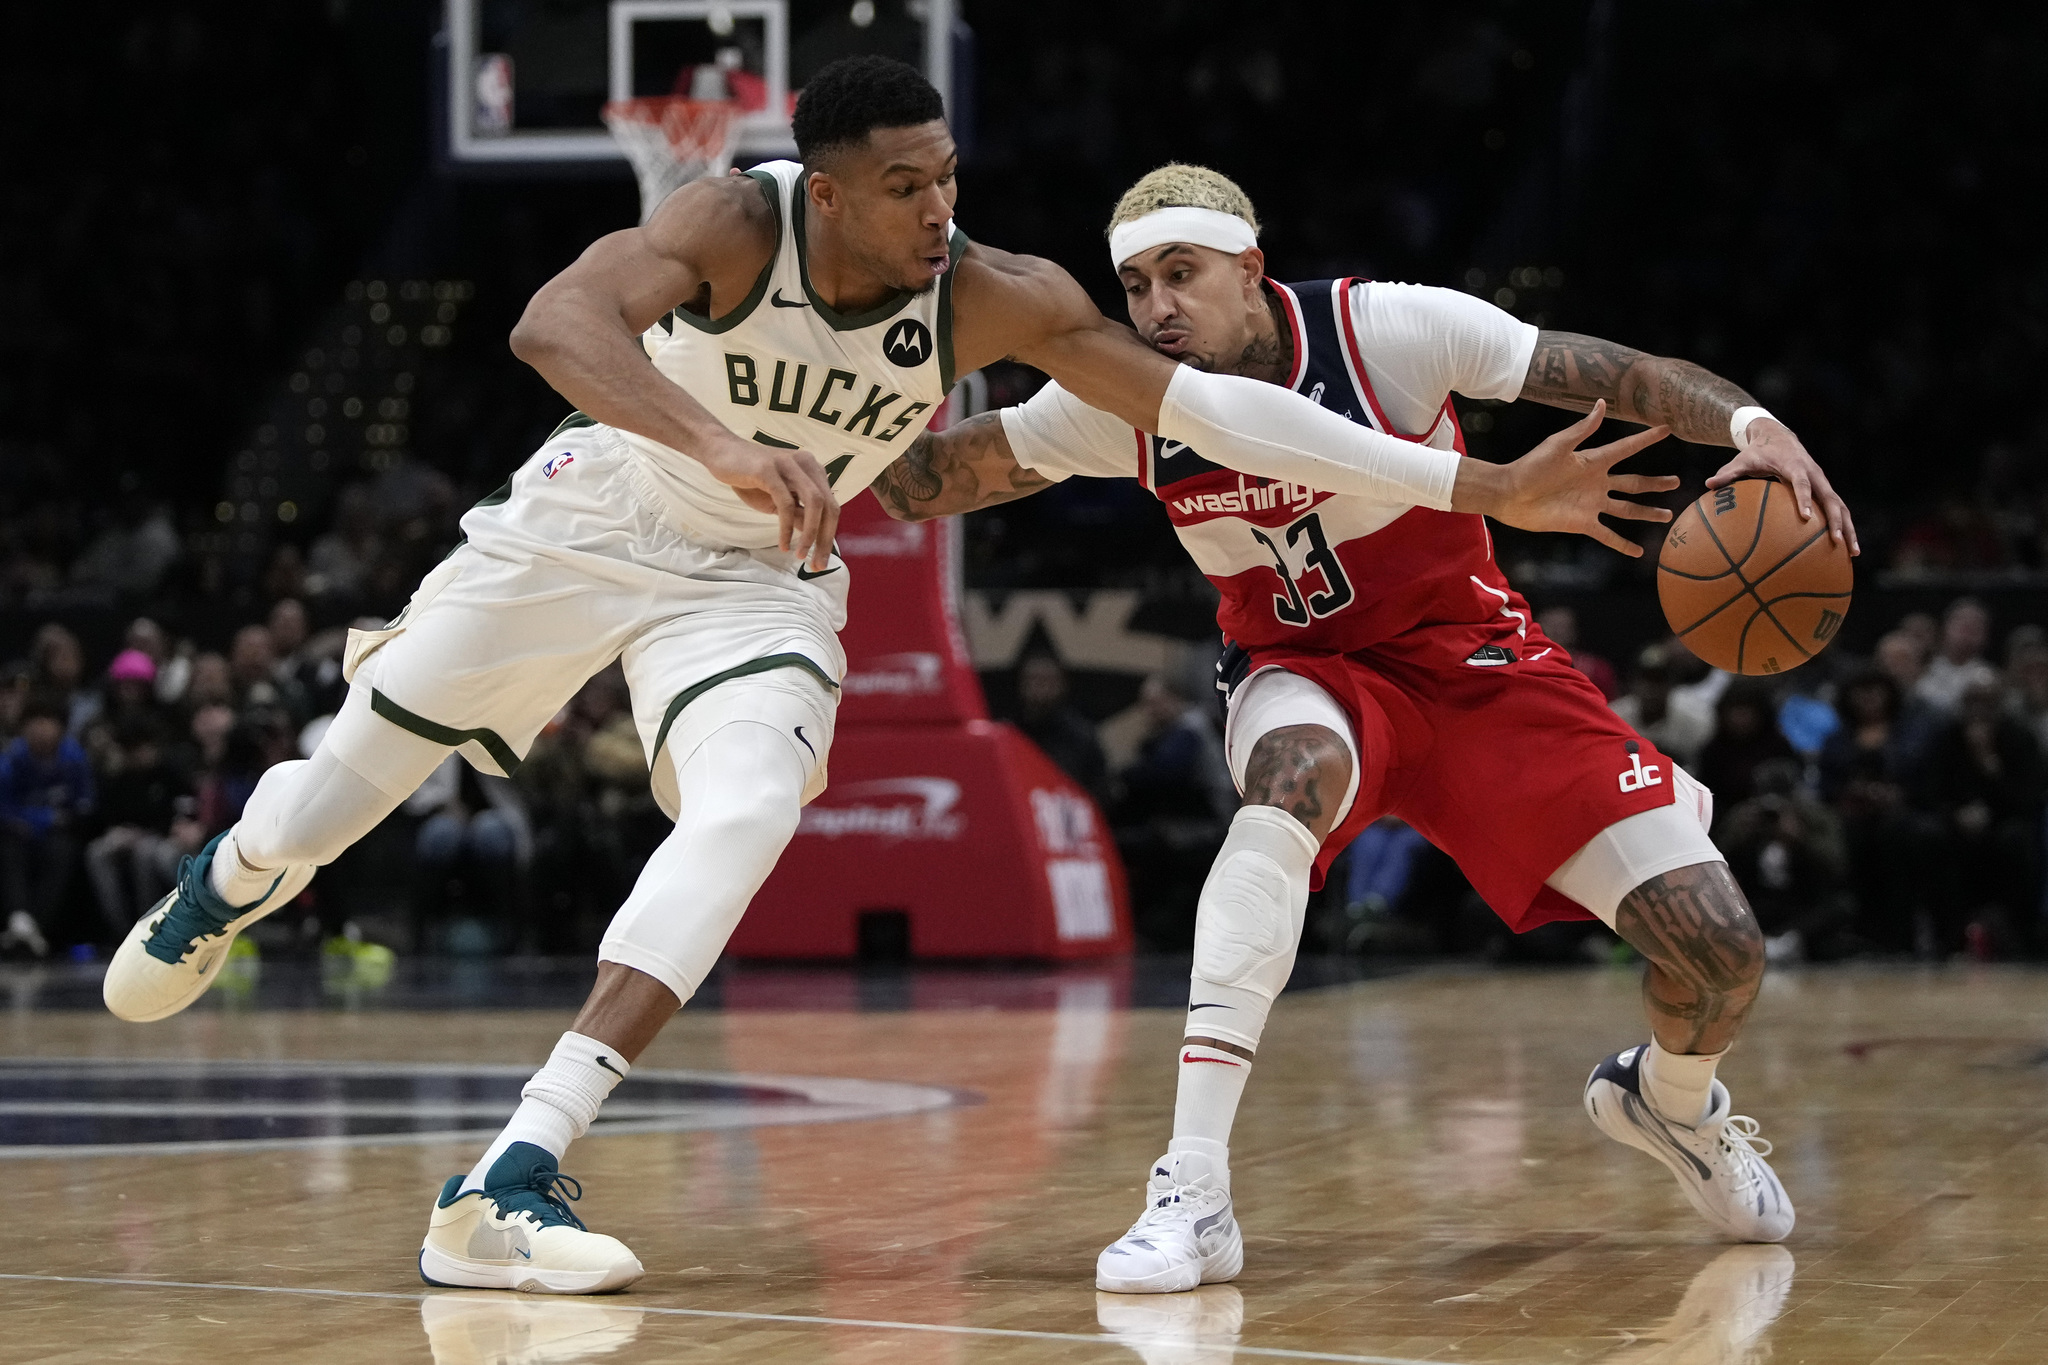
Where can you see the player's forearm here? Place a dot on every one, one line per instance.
(961, 469)
(1572, 371)
(589, 355)
(1263, 429)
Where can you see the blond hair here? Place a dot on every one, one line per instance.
(1176, 185)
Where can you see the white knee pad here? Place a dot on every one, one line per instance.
(1248, 924)
(738, 794)
(1620, 858)
(1272, 699)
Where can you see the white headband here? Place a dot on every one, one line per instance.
(1199, 227)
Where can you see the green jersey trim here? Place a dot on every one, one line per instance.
(745, 670)
(956, 247)
(747, 305)
(500, 752)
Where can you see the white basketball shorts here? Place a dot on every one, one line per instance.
(574, 564)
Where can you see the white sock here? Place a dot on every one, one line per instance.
(558, 1104)
(233, 880)
(1211, 1082)
(1679, 1085)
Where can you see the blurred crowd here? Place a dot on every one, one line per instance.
(111, 773)
(1890, 805)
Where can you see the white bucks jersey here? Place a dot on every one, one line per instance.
(787, 370)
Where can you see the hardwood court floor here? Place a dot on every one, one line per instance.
(1413, 1171)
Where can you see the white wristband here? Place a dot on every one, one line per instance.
(1738, 424)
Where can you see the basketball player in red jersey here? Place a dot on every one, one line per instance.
(1378, 661)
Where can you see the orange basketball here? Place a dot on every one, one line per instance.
(1749, 586)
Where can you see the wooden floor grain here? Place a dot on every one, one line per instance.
(1413, 1172)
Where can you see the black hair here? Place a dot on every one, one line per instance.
(851, 97)
(46, 706)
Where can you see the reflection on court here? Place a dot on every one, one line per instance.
(1415, 1178)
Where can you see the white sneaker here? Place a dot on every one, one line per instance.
(1187, 1236)
(1720, 1164)
(1198, 1328)
(504, 1329)
(168, 959)
(518, 1233)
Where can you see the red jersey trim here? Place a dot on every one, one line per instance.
(1144, 461)
(1292, 307)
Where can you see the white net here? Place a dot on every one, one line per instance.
(671, 141)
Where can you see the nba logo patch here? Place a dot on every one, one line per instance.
(557, 465)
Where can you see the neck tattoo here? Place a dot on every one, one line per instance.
(1268, 355)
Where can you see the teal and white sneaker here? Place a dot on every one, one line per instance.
(518, 1233)
(169, 958)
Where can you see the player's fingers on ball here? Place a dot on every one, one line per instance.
(1802, 493)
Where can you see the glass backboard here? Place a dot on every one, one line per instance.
(527, 79)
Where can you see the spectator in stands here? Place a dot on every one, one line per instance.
(1696, 685)
(146, 804)
(1985, 785)
(1055, 725)
(212, 684)
(2027, 675)
(1176, 801)
(1745, 737)
(1647, 706)
(130, 695)
(308, 667)
(1959, 664)
(1788, 852)
(1561, 624)
(173, 670)
(57, 672)
(46, 791)
(1867, 771)
(340, 564)
(253, 665)
(473, 826)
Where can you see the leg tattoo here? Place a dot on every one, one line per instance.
(1705, 951)
(1302, 769)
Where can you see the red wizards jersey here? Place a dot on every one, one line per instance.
(1339, 572)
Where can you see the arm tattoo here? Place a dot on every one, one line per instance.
(956, 470)
(1292, 767)
(1572, 371)
(1706, 954)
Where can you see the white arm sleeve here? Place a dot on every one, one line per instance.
(1058, 435)
(1259, 428)
(1421, 343)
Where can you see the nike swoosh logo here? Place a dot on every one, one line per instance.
(1190, 1057)
(781, 302)
(1169, 449)
(606, 1063)
(1211, 1006)
(806, 575)
(524, 1252)
(806, 743)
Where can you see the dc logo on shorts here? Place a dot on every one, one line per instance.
(1636, 777)
(908, 344)
(557, 465)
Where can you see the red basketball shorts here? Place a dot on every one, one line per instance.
(1510, 769)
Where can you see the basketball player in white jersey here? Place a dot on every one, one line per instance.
(755, 354)
(1378, 662)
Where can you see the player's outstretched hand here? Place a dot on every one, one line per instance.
(1558, 487)
(789, 483)
(1774, 452)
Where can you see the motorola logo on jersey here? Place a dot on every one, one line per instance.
(908, 344)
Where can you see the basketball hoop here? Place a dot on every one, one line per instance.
(672, 140)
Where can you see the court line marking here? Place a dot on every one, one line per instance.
(1097, 1339)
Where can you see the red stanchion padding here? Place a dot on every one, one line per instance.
(906, 657)
(966, 834)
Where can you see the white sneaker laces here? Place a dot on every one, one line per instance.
(1740, 1139)
(1162, 1208)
